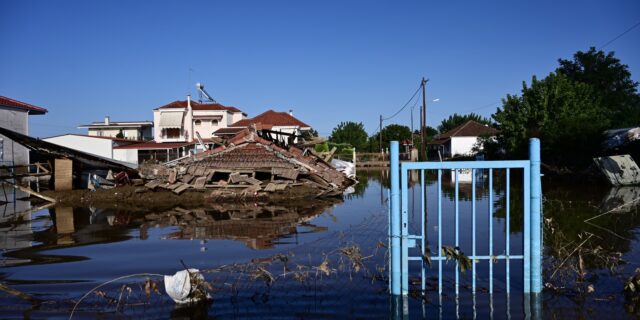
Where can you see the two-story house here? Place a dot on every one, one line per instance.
(176, 127)
(14, 115)
(182, 121)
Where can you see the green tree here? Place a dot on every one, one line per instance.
(120, 135)
(458, 119)
(308, 135)
(392, 132)
(565, 115)
(611, 83)
(350, 132)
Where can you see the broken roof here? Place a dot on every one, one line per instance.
(56, 151)
(248, 150)
(272, 118)
(11, 103)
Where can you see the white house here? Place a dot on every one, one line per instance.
(181, 121)
(106, 147)
(270, 120)
(176, 126)
(131, 130)
(461, 140)
(14, 115)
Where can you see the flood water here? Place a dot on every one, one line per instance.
(325, 259)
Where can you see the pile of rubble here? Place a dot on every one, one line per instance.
(249, 164)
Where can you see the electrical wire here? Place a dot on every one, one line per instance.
(619, 36)
(405, 105)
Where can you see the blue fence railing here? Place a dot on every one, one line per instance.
(401, 240)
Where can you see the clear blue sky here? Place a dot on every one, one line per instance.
(329, 61)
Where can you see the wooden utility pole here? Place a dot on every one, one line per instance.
(380, 135)
(423, 122)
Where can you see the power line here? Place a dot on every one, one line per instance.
(619, 36)
(405, 105)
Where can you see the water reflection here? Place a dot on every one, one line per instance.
(85, 246)
(258, 227)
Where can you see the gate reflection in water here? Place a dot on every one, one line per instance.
(463, 227)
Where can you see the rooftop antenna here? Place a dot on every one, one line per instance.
(204, 93)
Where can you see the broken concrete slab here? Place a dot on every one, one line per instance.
(620, 170)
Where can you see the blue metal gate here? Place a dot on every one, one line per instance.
(401, 240)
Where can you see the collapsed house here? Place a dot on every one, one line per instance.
(249, 164)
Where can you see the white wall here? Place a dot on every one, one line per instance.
(235, 117)
(158, 130)
(126, 155)
(205, 128)
(96, 146)
(463, 145)
(17, 121)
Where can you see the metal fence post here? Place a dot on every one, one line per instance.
(395, 219)
(536, 219)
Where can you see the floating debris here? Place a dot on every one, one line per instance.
(619, 170)
(187, 286)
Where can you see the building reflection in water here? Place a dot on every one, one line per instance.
(258, 227)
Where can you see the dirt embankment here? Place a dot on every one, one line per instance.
(140, 199)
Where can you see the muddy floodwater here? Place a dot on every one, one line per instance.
(319, 259)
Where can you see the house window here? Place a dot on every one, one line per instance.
(172, 133)
(198, 122)
(214, 122)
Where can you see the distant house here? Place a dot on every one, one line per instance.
(14, 115)
(130, 130)
(182, 121)
(271, 120)
(99, 146)
(460, 140)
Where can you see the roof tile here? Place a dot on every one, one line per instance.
(8, 102)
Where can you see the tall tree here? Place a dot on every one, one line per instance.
(458, 119)
(392, 132)
(565, 115)
(611, 82)
(350, 132)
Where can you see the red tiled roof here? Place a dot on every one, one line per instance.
(156, 145)
(249, 155)
(230, 130)
(272, 118)
(468, 129)
(200, 106)
(8, 102)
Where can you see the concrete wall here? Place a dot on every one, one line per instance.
(206, 127)
(463, 145)
(235, 117)
(17, 121)
(127, 155)
(97, 146)
(129, 133)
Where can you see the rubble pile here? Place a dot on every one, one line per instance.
(248, 165)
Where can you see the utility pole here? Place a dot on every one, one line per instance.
(380, 135)
(423, 122)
